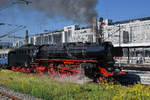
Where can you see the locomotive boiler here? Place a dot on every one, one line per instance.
(78, 51)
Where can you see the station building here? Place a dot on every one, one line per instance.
(46, 38)
(69, 34)
(132, 35)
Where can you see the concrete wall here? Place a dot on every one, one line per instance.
(138, 32)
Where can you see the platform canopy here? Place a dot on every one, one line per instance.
(133, 45)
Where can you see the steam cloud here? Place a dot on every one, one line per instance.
(81, 11)
(4, 3)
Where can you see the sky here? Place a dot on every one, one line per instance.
(36, 21)
(123, 9)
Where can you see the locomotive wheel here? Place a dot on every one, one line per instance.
(101, 80)
(77, 72)
(18, 68)
(62, 71)
(65, 70)
(51, 72)
(25, 70)
(40, 69)
(13, 68)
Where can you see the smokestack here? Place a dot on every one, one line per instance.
(26, 37)
(95, 29)
(100, 29)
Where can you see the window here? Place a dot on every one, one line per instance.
(50, 39)
(32, 40)
(69, 33)
(85, 31)
(125, 37)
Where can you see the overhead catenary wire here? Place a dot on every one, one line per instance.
(13, 31)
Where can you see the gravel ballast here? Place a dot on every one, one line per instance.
(15, 94)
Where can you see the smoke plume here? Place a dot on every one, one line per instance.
(4, 3)
(81, 11)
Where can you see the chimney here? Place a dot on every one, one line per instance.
(26, 37)
(100, 29)
(94, 29)
(97, 31)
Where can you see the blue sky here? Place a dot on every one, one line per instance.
(123, 9)
(116, 10)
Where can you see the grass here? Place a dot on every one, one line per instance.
(44, 87)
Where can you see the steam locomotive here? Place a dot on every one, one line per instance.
(94, 61)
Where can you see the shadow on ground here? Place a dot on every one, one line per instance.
(128, 79)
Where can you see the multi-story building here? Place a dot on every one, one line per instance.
(128, 32)
(121, 33)
(76, 34)
(69, 34)
(133, 35)
(46, 38)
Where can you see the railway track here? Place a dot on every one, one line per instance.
(6, 96)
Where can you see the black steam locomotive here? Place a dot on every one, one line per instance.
(93, 60)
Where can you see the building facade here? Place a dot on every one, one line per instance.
(133, 36)
(135, 31)
(46, 38)
(76, 34)
(69, 34)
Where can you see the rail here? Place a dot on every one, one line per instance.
(9, 96)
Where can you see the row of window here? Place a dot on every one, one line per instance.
(49, 39)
